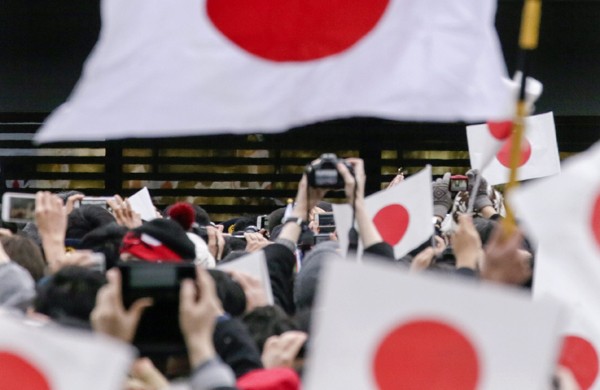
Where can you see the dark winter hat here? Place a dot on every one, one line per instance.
(159, 239)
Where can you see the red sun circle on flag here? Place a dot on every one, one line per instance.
(596, 220)
(500, 130)
(392, 223)
(503, 155)
(295, 30)
(426, 354)
(18, 373)
(580, 356)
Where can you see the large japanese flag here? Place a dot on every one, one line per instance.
(489, 149)
(167, 68)
(402, 214)
(57, 359)
(563, 214)
(379, 328)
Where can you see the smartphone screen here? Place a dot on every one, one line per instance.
(18, 207)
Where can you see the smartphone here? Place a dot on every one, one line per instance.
(322, 237)
(101, 201)
(98, 262)
(262, 221)
(458, 183)
(18, 207)
(326, 222)
(158, 332)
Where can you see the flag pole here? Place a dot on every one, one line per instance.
(528, 42)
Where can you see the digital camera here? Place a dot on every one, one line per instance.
(324, 173)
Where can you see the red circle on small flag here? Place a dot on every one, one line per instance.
(392, 223)
(18, 374)
(500, 130)
(426, 354)
(596, 220)
(503, 155)
(295, 30)
(580, 356)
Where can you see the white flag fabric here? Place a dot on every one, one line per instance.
(563, 214)
(379, 328)
(255, 265)
(211, 66)
(57, 359)
(489, 149)
(402, 214)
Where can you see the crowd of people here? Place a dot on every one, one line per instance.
(66, 269)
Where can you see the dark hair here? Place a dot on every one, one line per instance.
(267, 321)
(26, 253)
(70, 294)
(244, 222)
(202, 217)
(105, 239)
(87, 218)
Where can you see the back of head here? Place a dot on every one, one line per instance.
(85, 219)
(26, 253)
(264, 322)
(69, 295)
(105, 239)
(308, 278)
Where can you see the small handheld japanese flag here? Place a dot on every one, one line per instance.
(402, 214)
(379, 328)
(563, 214)
(255, 265)
(59, 359)
(490, 144)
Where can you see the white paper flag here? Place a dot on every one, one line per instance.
(255, 265)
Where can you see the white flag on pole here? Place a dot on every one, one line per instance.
(489, 149)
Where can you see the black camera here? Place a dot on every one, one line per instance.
(324, 173)
(158, 331)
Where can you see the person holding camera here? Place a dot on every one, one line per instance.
(330, 173)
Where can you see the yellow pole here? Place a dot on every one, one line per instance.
(528, 41)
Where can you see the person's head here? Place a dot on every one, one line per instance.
(245, 224)
(26, 253)
(86, 218)
(308, 278)
(69, 296)
(105, 239)
(264, 322)
(158, 240)
(202, 217)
